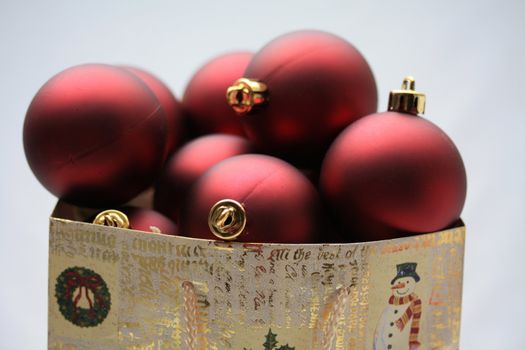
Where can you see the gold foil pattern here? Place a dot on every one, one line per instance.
(170, 292)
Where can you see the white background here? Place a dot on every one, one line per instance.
(467, 56)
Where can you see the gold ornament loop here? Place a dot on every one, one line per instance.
(113, 218)
(409, 83)
(407, 100)
(246, 94)
(227, 219)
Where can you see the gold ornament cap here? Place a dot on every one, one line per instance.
(227, 219)
(113, 218)
(246, 94)
(407, 100)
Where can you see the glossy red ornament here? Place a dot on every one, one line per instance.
(204, 102)
(95, 135)
(169, 104)
(267, 200)
(394, 173)
(149, 220)
(317, 84)
(188, 164)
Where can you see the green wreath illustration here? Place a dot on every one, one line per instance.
(75, 283)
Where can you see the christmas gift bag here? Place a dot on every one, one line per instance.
(113, 288)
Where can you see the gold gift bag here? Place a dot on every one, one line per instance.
(113, 288)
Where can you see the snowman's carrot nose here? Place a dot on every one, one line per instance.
(399, 285)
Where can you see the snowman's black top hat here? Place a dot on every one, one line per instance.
(406, 270)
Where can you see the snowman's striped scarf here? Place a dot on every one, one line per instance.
(412, 312)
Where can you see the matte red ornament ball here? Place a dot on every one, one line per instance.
(393, 173)
(317, 84)
(277, 202)
(190, 163)
(204, 102)
(170, 105)
(149, 220)
(94, 135)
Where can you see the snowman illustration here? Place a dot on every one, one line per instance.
(398, 327)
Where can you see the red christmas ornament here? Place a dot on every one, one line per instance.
(169, 104)
(204, 101)
(300, 91)
(136, 219)
(252, 198)
(149, 220)
(394, 173)
(94, 135)
(188, 164)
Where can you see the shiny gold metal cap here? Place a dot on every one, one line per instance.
(245, 94)
(407, 100)
(227, 219)
(113, 218)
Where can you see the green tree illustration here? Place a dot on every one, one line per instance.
(271, 343)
